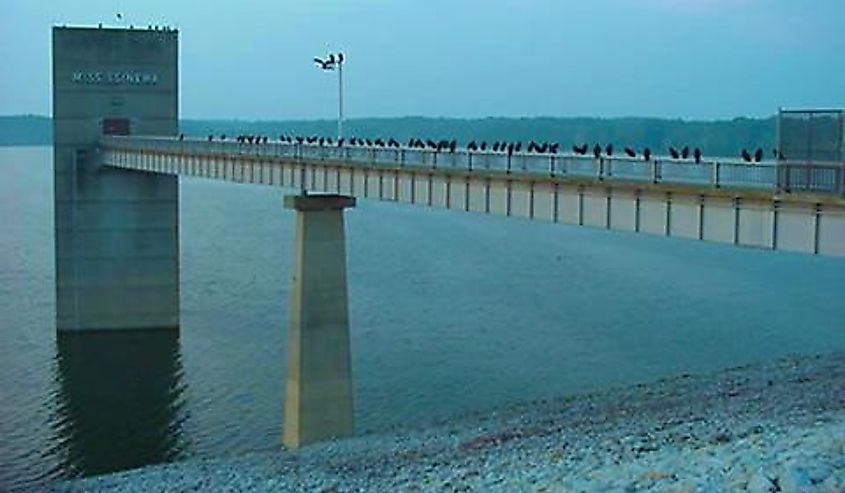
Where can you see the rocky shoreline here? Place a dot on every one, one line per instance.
(762, 428)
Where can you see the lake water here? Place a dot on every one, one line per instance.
(450, 313)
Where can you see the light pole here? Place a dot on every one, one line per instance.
(329, 64)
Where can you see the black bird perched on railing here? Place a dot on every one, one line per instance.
(596, 151)
(580, 150)
(299, 139)
(379, 142)
(483, 145)
(223, 137)
(510, 149)
(647, 154)
(369, 142)
(685, 152)
(471, 146)
(554, 147)
(264, 139)
(697, 155)
(630, 152)
(758, 156)
(517, 147)
(495, 146)
(674, 153)
(746, 156)
(321, 141)
(453, 145)
(609, 149)
(181, 136)
(210, 138)
(340, 142)
(431, 144)
(543, 148)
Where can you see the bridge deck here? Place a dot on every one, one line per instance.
(774, 207)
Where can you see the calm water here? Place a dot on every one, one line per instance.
(450, 313)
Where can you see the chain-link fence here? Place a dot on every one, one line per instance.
(811, 150)
(811, 136)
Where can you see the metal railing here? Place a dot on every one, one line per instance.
(827, 178)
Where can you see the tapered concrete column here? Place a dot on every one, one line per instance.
(318, 397)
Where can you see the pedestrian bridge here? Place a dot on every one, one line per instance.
(116, 204)
(768, 205)
(129, 275)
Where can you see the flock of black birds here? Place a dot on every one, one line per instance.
(504, 147)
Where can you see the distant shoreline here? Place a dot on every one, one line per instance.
(756, 428)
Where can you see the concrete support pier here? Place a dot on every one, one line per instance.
(318, 397)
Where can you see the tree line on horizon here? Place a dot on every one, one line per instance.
(714, 138)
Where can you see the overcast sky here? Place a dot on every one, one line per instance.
(251, 59)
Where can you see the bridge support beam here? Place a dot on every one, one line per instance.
(318, 396)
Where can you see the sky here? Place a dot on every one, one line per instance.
(252, 59)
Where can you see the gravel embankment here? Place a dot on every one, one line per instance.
(762, 428)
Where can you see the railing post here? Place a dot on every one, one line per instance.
(508, 166)
(469, 161)
(808, 181)
(601, 168)
(655, 174)
(716, 177)
(841, 171)
(552, 159)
